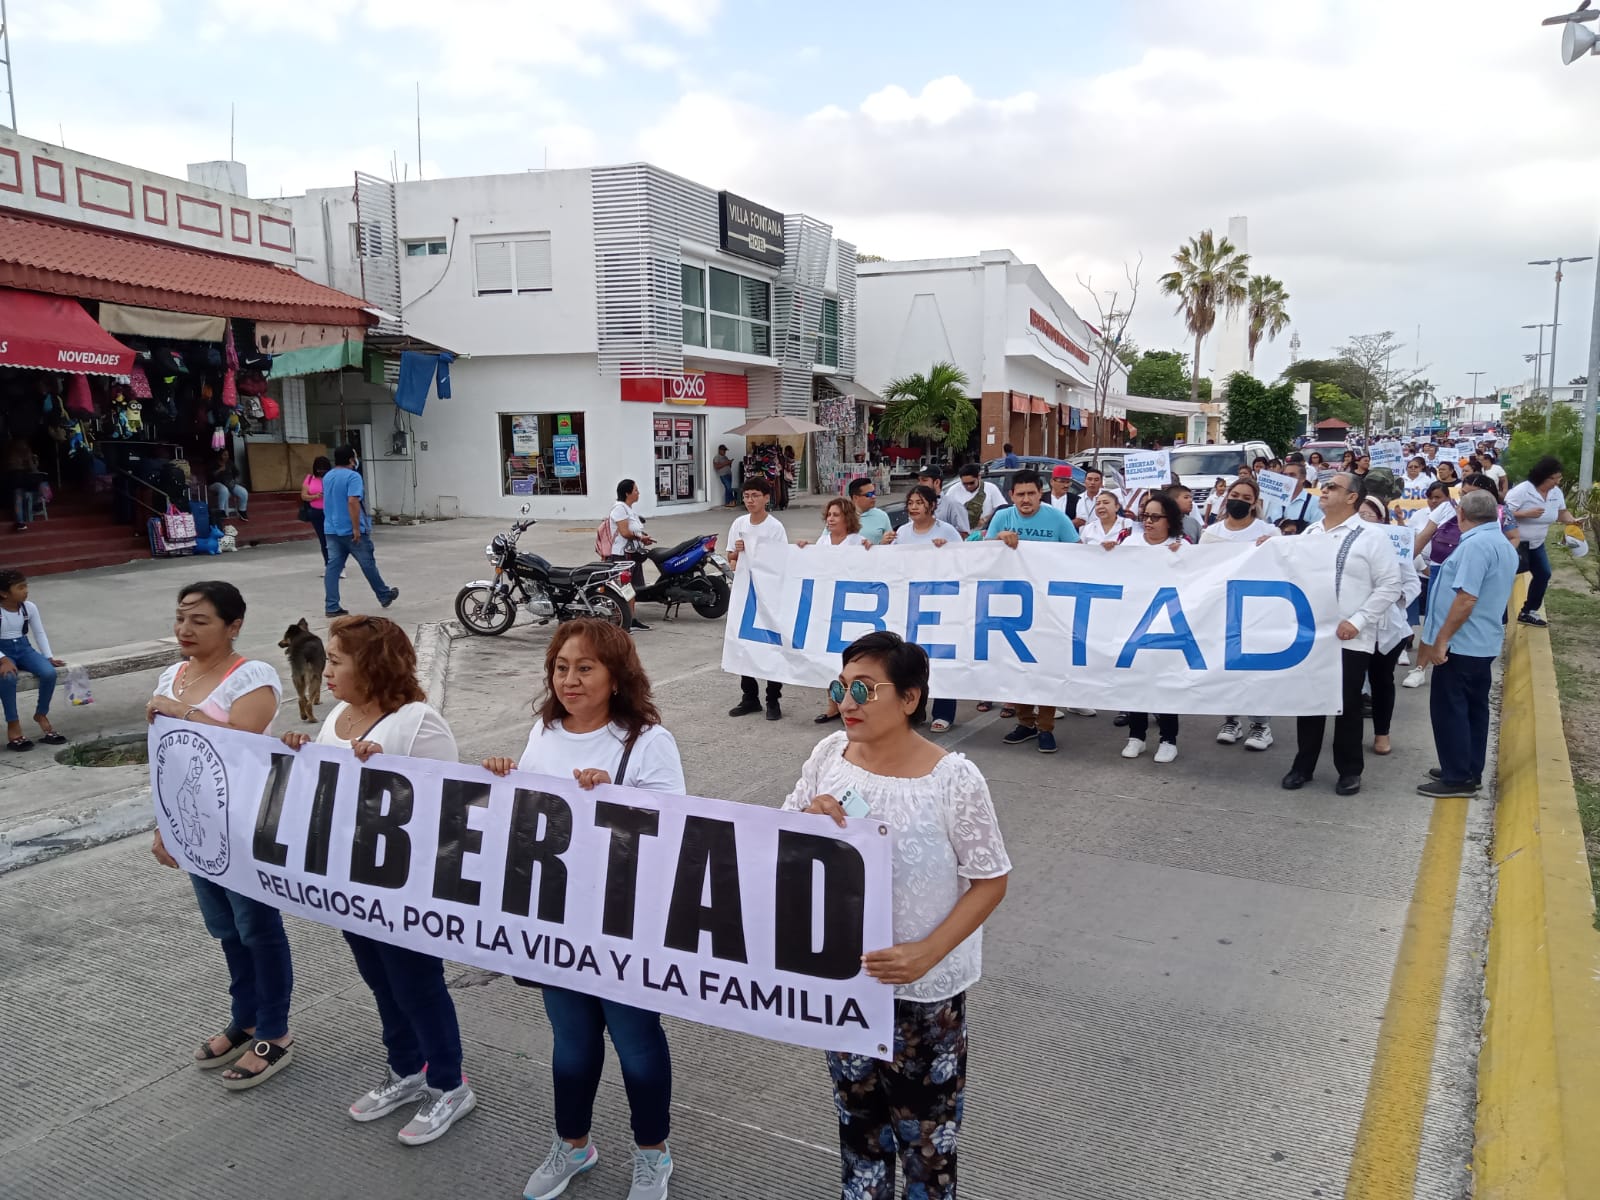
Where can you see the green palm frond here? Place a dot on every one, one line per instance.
(933, 406)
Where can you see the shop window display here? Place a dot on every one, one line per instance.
(543, 454)
(678, 455)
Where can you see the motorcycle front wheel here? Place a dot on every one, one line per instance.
(483, 611)
(715, 603)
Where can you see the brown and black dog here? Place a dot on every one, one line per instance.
(307, 658)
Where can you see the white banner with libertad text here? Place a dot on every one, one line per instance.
(1206, 629)
(729, 914)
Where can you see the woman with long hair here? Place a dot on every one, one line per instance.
(1537, 503)
(311, 497)
(217, 686)
(950, 872)
(372, 672)
(841, 525)
(1315, 465)
(1392, 637)
(598, 723)
(1160, 524)
(923, 527)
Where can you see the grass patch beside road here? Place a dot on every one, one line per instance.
(1574, 614)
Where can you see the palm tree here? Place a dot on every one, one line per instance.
(1269, 313)
(1211, 276)
(933, 406)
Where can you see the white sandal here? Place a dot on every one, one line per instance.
(940, 726)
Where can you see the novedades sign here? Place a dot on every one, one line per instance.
(729, 914)
(1205, 629)
(749, 230)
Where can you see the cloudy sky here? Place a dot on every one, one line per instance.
(1399, 161)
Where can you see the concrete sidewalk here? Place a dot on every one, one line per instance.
(1184, 992)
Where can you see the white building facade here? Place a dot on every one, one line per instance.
(1029, 358)
(609, 323)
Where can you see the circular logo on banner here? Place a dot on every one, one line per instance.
(192, 790)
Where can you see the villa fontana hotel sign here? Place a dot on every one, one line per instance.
(749, 230)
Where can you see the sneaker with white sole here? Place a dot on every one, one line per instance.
(1166, 752)
(1134, 748)
(1230, 732)
(394, 1091)
(1084, 712)
(651, 1170)
(1260, 736)
(439, 1110)
(560, 1167)
(1061, 714)
(1417, 677)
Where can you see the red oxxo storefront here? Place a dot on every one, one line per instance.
(691, 415)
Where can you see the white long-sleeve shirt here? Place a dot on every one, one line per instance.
(13, 624)
(1366, 577)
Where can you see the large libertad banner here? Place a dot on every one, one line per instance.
(729, 914)
(1204, 629)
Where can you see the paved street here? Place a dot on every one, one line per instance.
(1182, 993)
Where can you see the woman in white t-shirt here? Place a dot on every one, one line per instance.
(950, 873)
(1241, 522)
(922, 528)
(598, 724)
(628, 541)
(841, 525)
(216, 686)
(1106, 523)
(1417, 478)
(372, 672)
(1538, 503)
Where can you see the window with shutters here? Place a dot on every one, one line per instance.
(726, 311)
(828, 337)
(366, 239)
(512, 266)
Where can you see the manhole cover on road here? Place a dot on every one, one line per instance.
(107, 752)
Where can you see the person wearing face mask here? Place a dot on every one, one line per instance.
(348, 529)
(1393, 634)
(1240, 523)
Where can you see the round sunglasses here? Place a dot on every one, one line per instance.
(860, 691)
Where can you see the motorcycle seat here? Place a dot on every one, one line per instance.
(660, 554)
(580, 575)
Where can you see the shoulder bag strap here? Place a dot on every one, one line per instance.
(622, 767)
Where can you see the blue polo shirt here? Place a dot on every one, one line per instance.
(338, 485)
(1483, 565)
(1048, 524)
(1277, 511)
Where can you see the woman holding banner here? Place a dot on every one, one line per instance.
(1160, 524)
(1241, 522)
(372, 672)
(1393, 636)
(841, 526)
(950, 871)
(598, 724)
(924, 530)
(216, 686)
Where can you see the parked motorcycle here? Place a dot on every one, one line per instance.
(489, 606)
(692, 573)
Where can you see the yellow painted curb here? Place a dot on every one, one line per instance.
(1538, 1126)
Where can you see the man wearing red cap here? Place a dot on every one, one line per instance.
(1061, 491)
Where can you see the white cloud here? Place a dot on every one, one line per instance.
(104, 22)
(651, 57)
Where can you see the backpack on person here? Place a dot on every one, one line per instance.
(605, 535)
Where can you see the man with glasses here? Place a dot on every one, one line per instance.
(875, 524)
(1367, 584)
(1301, 507)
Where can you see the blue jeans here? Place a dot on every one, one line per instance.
(415, 1008)
(341, 547)
(1539, 569)
(579, 1023)
(727, 488)
(21, 652)
(221, 493)
(260, 974)
(318, 517)
(1458, 702)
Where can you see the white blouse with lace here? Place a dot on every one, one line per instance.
(945, 834)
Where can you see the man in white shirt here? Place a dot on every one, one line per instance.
(1061, 491)
(757, 527)
(1367, 581)
(628, 540)
(967, 488)
(950, 511)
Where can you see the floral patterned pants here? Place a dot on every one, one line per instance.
(910, 1107)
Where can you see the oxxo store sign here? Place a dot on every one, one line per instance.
(684, 389)
(710, 389)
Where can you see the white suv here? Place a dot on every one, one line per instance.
(1195, 466)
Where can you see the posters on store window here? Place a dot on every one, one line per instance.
(525, 434)
(564, 450)
(663, 431)
(685, 481)
(663, 483)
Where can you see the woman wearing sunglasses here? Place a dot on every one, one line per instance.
(1160, 524)
(950, 871)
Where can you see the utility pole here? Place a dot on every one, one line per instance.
(1586, 458)
(5, 60)
(1555, 322)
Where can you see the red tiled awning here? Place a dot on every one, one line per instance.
(63, 259)
(50, 333)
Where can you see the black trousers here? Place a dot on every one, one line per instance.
(1166, 726)
(1380, 674)
(1459, 706)
(1348, 727)
(752, 690)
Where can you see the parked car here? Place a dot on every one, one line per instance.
(1331, 452)
(1199, 466)
(1105, 459)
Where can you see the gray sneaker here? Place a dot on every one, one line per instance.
(651, 1170)
(389, 1095)
(560, 1167)
(439, 1111)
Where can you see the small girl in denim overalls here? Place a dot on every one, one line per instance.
(19, 617)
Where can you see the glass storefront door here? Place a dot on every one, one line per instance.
(679, 457)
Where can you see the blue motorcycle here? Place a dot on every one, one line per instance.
(691, 573)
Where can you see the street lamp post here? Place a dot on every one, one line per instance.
(1538, 359)
(1555, 321)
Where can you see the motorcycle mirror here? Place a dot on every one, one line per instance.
(525, 508)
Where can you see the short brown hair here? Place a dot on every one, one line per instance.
(632, 705)
(852, 519)
(384, 658)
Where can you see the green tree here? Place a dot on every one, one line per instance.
(1162, 375)
(1330, 400)
(1343, 374)
(932, 406)
(1210, 278)
(1268, 310)
(1258, 412)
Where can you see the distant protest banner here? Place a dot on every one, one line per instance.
(1276, 487)
(1207, 629)
(734, 915)
(1147, 469)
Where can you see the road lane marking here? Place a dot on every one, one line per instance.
(1384, 1164)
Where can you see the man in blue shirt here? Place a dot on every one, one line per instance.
(348, 529)
(1461, 639)
(1010, 460)
(1030, 519)
(1302, 507)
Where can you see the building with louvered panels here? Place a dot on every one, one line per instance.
(610, 322)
